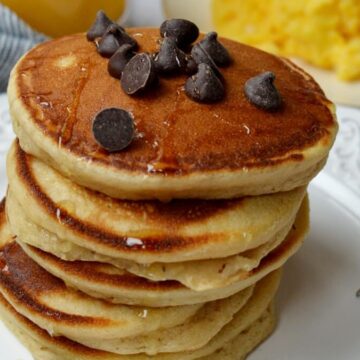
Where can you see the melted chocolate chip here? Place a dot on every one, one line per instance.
(261, 91)
(205, 86)
(113, 129)
(139, 74)
(99, 26)
(215, 49)
(118, 61)
(170, 58)
(183, 31)
(201, 56)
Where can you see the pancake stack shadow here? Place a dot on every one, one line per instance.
(87, 276)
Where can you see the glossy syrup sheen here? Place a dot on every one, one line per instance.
(65, 82)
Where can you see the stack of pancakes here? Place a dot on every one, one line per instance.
(173, 247)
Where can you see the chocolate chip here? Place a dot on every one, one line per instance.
(124, 38)
(99, 26)
(170, 58)
(113, 129)
(118, 61)
(205, 86)
(108, 45)
(201, 56)
(121, 35)
(139, 74)
(261, 91)
(113, 38)
(183, 31)
(191, 65)
(215, 49)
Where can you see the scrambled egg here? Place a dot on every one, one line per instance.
(326, 33)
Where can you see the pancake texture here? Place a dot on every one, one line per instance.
(45, 300)
(197, 275)
(56, 89)
(49, 303)
(146, 232)
(122, 329)
(45, 347)
(108, 282)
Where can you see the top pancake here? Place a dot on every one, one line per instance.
(186, 149)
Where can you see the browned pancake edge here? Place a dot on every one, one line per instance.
(178, 135)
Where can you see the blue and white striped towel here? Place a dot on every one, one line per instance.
(16, 38)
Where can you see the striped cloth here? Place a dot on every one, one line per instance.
(16, 38)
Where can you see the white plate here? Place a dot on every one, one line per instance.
(318, 307)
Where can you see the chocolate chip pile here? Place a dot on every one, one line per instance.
(139, 72)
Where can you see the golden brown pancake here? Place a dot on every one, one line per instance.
(45, 347)
(197, 275)
(185, 149)
(124, 330)
(145, 231)
(47, 300)
(61, 311)
(108, 282)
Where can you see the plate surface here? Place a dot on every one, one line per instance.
(318, 308)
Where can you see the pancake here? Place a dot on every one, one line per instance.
(146, 231)
(45, 347)
(106, 281)
(197, 275)
(46, 308)
(32, 286)
(183, 149)
(182, 338)
(61, 311)
(5, 232)
(45, 300)
(241, 346)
